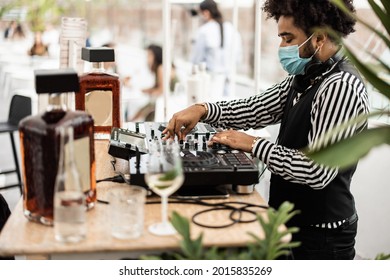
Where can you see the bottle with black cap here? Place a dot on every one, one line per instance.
(40, 146)
(99, 93)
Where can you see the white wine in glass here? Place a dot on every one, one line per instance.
(164, 176)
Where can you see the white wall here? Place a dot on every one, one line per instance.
(371, 188)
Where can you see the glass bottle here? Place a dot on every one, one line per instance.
(69, 207)
(40, 146)
(73, 37)
(99, 93)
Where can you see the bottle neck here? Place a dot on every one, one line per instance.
(98, 67)
(56, 102)
(70, 152)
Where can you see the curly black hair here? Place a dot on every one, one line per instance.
(312, 14)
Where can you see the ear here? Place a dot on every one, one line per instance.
(320, 38)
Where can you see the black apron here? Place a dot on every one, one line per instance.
(333, 203)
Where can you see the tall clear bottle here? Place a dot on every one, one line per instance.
(40, 146)
(69, 206)
(99, 93)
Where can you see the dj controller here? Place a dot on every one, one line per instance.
(203, 165)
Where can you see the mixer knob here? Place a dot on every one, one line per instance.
(152, 133)
(186, 145)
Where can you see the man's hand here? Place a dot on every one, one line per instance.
(184, 121)
(234, 139)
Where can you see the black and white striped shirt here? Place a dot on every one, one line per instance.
(340, 97)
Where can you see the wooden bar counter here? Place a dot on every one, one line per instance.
(21, 237)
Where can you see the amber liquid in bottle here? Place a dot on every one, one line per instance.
(40, 144)
(99, 96)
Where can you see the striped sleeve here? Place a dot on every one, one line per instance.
(254, 112)
(341, 97)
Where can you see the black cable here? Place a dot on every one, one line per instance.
(218, 207)
(115, 179)
(234, 221)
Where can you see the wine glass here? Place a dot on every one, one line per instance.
(164, 176)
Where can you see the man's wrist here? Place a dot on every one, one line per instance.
(254, 142)
(206, 109)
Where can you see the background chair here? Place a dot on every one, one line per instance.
(20, 107)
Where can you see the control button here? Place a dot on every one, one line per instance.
(235, 151)
(221, 152)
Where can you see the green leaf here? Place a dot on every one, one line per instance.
(192, 249)
(347, 152)
(345, 125)
(380, 61)
(386, 5)
(385, 19)
(271, 246)
(181, 225)
(371, 76)
(214, 254)
(169, 175)
(382, 257)
(150, 258)
(342, 7)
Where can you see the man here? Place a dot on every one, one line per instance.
(322, 91)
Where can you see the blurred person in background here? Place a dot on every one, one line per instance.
(155, 64)
(14, 31)
(215, 44)
(38, 48)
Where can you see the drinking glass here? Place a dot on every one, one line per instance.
(164, 176)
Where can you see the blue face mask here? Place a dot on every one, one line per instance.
(290, 60)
